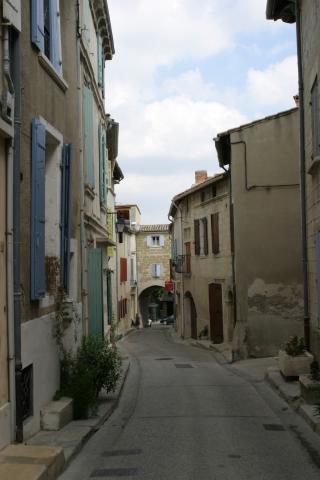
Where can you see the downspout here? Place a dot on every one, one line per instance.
(306, 313)
(183, 330)
(16, 72)
(84, 280)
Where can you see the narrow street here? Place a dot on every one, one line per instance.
(183, 416)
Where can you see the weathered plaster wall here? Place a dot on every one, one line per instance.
(310, 23)
(267, 235)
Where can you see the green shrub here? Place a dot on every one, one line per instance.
(95, 366)
(295, 346)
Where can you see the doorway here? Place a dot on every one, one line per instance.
(216, 312)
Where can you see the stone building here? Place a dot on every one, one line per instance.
(306, 16)
(263, 162)
(127, 226)
(153, 267)
(202, 259)
(9, 184)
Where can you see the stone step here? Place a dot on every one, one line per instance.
(24, 462)
(57, 414)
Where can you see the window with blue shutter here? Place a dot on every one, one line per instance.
(66, 173)
(45, 30)
(88, 135)
(102, 164)
(37, 240)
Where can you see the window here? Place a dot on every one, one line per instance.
(201, 236)
(315, 119)
(120, 236)
(202, 195)
(50, 214)
(156, 270)
(155, 241)
(45, 30)
(215, 233)
(123, 270)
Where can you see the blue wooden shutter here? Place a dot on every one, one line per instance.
(88, 135)
(37, 24)
(38, 161)
(102, 162)
(66, 174)
(55, 38)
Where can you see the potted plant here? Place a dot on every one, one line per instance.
(310, 384)
(294, 360)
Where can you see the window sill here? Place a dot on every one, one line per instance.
(314, 165)
(49, 68)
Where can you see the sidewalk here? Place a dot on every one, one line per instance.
(47, 454)
(258, 370)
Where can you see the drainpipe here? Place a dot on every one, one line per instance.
(306, 313)
(84, 279)
(183, 330)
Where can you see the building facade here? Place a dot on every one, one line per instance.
(201, 259)
(127, 226)
(306, 16)
(153, 266)
(263, 162)
(9, 137)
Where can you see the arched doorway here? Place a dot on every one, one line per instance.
(190, 314)
(156, 303)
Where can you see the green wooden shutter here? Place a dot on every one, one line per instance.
(95, 294)
(88, 135)
(102, 165)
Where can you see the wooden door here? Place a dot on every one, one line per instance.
(216, 314)
(95, 297)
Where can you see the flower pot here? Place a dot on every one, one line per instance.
(293, 367)
(310, 389)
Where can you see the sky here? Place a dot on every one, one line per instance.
(183, 71)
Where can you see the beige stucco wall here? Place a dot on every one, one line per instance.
(205, 269)
(146, 256)
(310, 24)
(268, 266)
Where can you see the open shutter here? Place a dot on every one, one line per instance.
(65, 215)
(205, 236)
(55, 38)
(88, 135)
(102, 161)
(100, 60)
(38, 164)
(37, 24)
(149, 241)
(215, 233)
(161, 240)
(197, 237)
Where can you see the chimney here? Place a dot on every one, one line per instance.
(200, 176)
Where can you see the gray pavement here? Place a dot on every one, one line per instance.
(182, 415)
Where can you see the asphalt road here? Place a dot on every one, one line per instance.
(184, 416)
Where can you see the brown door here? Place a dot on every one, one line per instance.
(215, 310)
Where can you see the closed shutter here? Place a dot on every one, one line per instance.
(65, 215)
(55, 38)
(197, 237)
(123, 270)
(158, 270)
(38, 161)
(205, 236)
(215, 233)
(37, 24)
(149, 241)
(88, 135)
(161, 241)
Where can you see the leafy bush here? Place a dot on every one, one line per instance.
(295, 346)
(96, 366)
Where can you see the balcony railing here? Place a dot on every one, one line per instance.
(182, 263)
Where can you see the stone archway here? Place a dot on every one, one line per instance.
(155, 302)
(190, 317)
